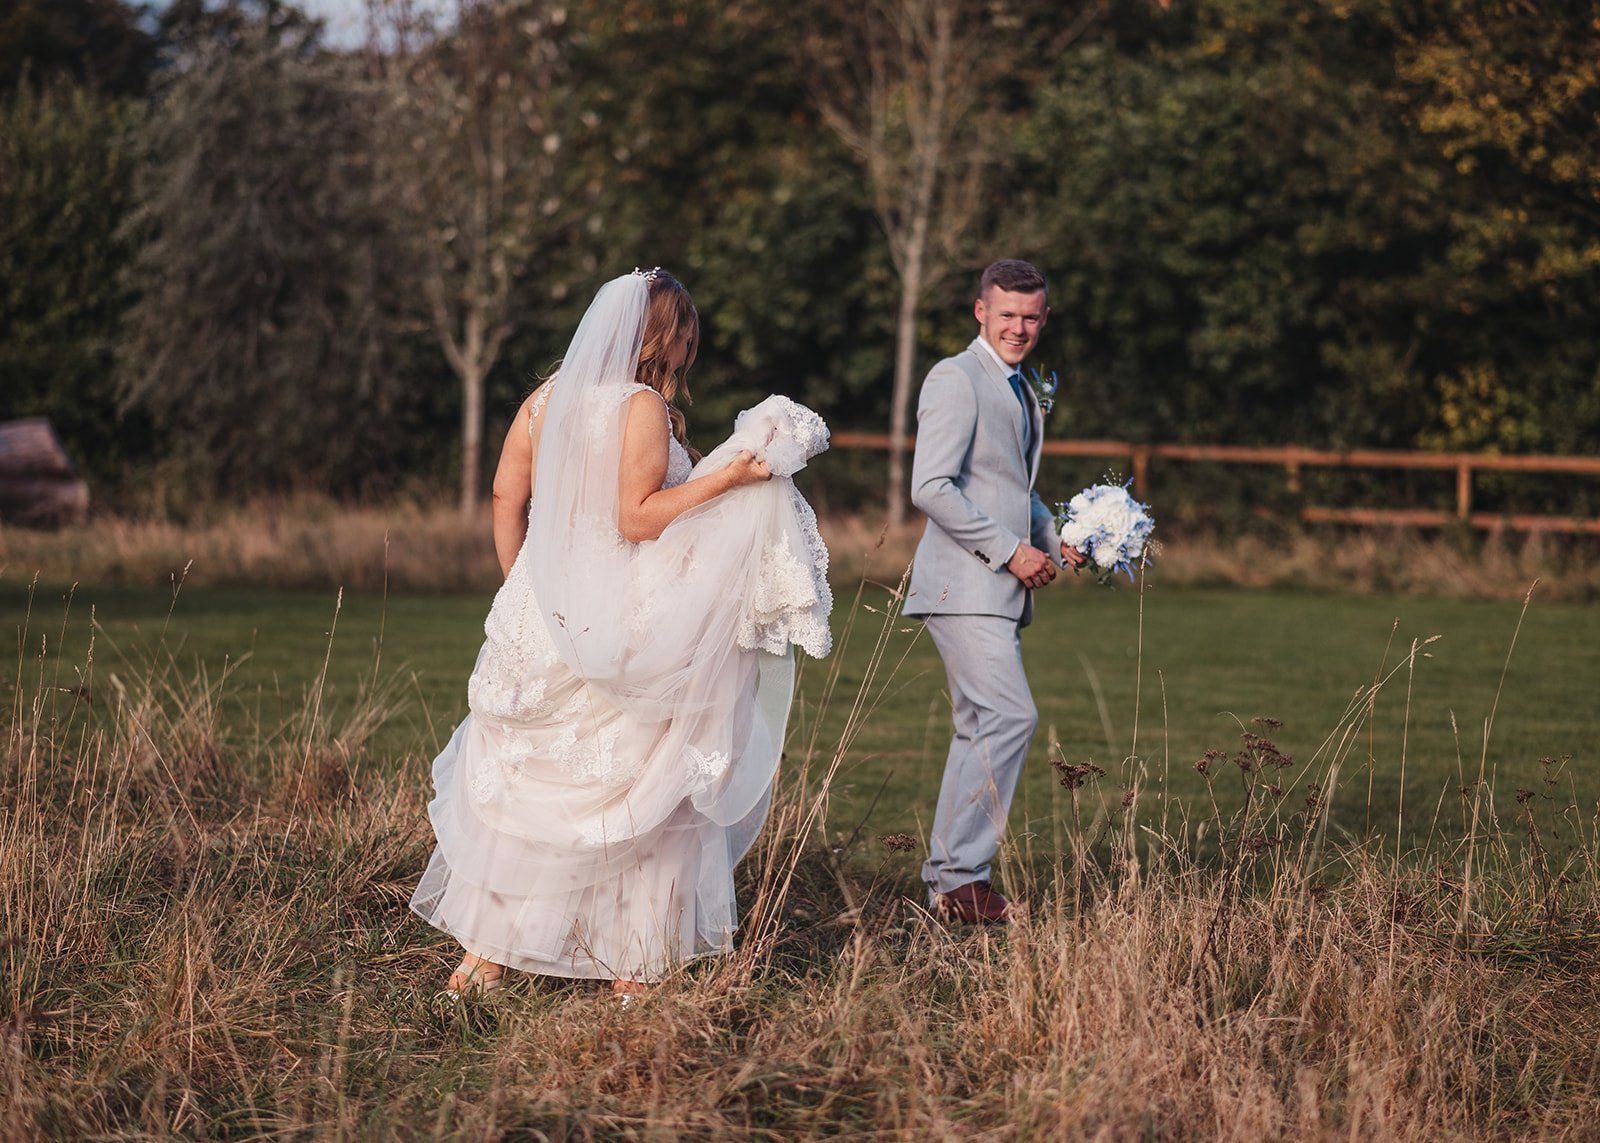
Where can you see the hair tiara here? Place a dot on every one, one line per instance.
(649, 275)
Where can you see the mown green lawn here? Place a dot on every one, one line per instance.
(1209, 657)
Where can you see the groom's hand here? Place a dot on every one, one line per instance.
(1031, 566)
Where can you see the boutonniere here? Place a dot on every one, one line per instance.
(1044, 389)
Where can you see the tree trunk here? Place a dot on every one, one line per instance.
(929, 155)
(471, 433)
(905, 350)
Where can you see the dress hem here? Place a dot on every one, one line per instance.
(568, 968)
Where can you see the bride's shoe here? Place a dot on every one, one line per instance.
(474, 978)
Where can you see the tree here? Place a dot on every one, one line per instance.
(66, 178)
(260, 336)
(904, 84)
(1354, 223)
(94, 42)
(719, 168)
(472, 146)
(1508, 92)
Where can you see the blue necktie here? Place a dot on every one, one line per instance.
(1027, 414)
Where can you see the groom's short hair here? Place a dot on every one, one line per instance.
(1014, 276)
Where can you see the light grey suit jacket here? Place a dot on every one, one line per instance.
(972, 480)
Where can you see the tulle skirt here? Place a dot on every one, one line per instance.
(625, 730)
(576, 839)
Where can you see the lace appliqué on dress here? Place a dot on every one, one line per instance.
(707, 765)
(679, 464)
(795, 433)
(540, 400)
(792, 599)
(484, 785)
(596, 538)
(514, 624)
(506, 694)
(587, 754)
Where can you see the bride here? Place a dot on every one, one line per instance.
(629, 703)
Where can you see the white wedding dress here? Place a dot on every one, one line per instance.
(628, 705)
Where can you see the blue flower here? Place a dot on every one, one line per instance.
(1044, 389)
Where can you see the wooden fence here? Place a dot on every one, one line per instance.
(1294, 460)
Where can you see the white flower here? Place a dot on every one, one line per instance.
(1107, 525)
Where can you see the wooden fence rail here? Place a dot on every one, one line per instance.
(1294, 460)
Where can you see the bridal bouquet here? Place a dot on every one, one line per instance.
(1107, 525)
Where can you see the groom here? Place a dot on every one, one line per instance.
(989, 544)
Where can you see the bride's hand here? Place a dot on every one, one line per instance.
(746, 469)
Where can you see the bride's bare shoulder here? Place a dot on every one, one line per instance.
(646, 407)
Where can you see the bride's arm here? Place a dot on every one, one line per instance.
(644, 508)
(513, 487)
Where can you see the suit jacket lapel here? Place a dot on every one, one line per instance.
(1036, 414)
(991, 369)
(987, 363)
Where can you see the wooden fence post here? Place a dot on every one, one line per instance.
(1464, 490)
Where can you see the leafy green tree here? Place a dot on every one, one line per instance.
(101, 43)
(1509, 96)
(261, 342)
(1214, 191)
(66, 175)
(1294, 223)
(717, 168)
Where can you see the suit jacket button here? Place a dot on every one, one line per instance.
(981, 556)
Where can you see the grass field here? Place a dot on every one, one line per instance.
(208, 837)
(1211, 659)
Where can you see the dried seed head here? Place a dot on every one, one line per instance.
(899, 842)
(1073, 775)
(1256, 844)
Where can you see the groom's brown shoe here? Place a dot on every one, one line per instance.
(975, 903)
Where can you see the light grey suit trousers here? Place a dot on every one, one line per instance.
(973, 480)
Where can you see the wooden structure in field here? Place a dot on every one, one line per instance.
(39, 488)
(1294, 459)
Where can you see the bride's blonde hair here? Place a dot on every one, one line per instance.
(669, 316)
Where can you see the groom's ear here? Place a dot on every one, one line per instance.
(977, 308)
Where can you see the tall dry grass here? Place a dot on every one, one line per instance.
(414, 545)
(206, 934)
